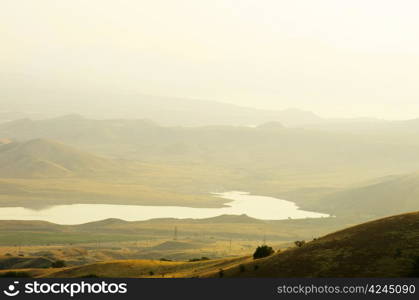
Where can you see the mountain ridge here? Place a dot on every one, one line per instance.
(48, 158)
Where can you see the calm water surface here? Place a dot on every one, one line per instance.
(260, 207)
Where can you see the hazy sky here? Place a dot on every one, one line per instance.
(334, 57)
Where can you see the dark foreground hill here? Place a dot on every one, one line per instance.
(387, 247)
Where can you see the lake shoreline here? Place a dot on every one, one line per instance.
(237, 203)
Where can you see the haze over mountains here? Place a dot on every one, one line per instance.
(18, 103)
(270, 144)
(174, 138)
(354, 170)
(48, 158)
(397, 194)
(320, 170)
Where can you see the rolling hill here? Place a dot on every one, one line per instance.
(393, 195)
(268, 146)
(48, 158)
(387, 247)
(146, 268)
(300, 165)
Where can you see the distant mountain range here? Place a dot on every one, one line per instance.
(270, 144)
(34, 103)
(320, 170)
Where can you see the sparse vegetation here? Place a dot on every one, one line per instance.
(58, 264)
(299, 244)
(199, 259)
(263, 251)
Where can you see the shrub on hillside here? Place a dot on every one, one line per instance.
(299, 244)
(263, 251)
(199, 259)
(58, 264)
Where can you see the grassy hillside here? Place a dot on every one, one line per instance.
(387, 247)
(393, 195)
(180, 166)
(131, 269)
(223, 228)
(156, 165)
(24, 262)
(259, 150)
(113, 239)
(48, 158)
(43, 172)
(146, 268)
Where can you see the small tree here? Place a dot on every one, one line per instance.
(58, 264)
(299, 244)
(263, 251)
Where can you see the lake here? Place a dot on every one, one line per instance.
(259, 207)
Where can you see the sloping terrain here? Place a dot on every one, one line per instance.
(387, 247)
(147, 268)
(255, 149)
(48, 158)
(186, 164)
(395, 195)
(24, 262)
(43, 172)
